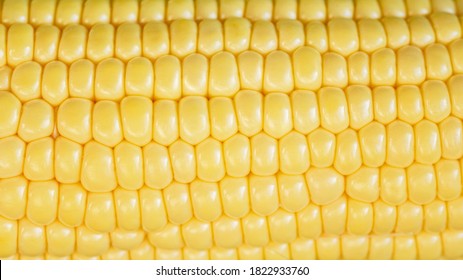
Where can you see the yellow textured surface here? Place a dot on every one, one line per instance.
(245, 129)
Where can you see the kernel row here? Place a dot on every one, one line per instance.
(224, 75)
(58, 241)
(92, 12)
(253, 135)
(208, 37)
(322, 201)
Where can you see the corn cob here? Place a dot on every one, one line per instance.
(231, 129)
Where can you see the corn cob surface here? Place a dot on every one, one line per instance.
(231, 129)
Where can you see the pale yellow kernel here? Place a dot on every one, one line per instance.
(451, 134)
(37, 120)
(46, 43)
(418, 7)
(454, 85)
(421, 181)
(372, 139)
(38, 162)
(26, 80)
(42, 202)
(129, 165)
(60, 240)
(359, 68)
(359, 219)
(158, 170)
(366, 9)
(264, 155)
(393, 8)
(165, 124)
(305, 111)
(251, 69)
(334, 70)
(81, 79)
(124, 11)
(13, 197)
(68, 159)
(316, 35)
(348, 155)
(446, 26)
(334, 113)
(400, 143)
(109, 79)
(235, 196)
(210, 160)
(294, 194)
(328, 248)
(74, 119)
(360, 104)
(194, 119)
(259, 10)
(205, 199)
(98, 169)
(343, 35)
(10, 114)
(183, 37)
(128, 41)
(42, 12)
(180, 9)
(309, 221)
(155, 39)
(152, 11)
(428, 146)
(54, 83)
(393, 185)
(139, 77)
(264, 37)
(307, 75)
(397, 31)
(294, 153)
(183, 160)
(290, 34)
(363, 185)
(237, 155)
(210, 36)
(285, 9)
(383, 67)
(310, 10)
(409, 104)
(263, 191)
(436, 101)
(278, 119)
(68, 12)
(167, 78)
(410, 65)
(127, 209)
(325, 185)
(152, 210)
(231, 8)
(5, 77)
(137, 119)
(178, 204)
(223, 75)
(223, 118)
(334, 217)
(237, 33)
(73, 43)
(15, 11)
(96, 11)
(19, 43)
